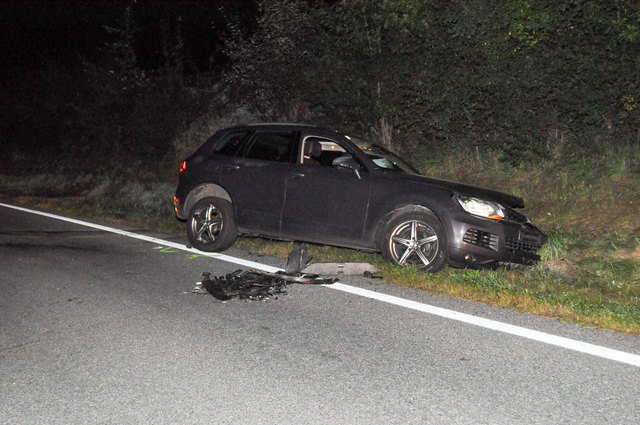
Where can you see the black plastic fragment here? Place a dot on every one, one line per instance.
(254, 284)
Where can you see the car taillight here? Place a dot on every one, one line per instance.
(183, 166)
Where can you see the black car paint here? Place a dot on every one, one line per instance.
(344, 208)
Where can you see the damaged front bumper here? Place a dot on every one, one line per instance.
(484, 242)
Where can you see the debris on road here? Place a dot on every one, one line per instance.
(243, 284)
(259, 285)
(254, 284)
(344, 269)
(297, 259)
(298, 262)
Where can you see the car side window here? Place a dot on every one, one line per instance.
(230, 143)
(321, 151)
(271, 147)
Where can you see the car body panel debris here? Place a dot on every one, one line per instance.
(298, 262)
(337, 269)
(297, 259)
(255, 284)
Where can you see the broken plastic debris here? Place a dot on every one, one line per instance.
(345, 269)
(298, 261)
(198, 289)
(254, 284)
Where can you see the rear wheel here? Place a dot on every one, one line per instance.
(211, 225)
(417, 238)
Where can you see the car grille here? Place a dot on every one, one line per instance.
(482, 239)
(513, 245)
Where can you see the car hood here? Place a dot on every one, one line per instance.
(504, 199)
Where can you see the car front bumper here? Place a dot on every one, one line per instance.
(477, 241)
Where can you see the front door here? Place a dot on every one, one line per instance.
(325, 204)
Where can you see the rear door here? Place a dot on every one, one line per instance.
(323, 203)
(256, 179)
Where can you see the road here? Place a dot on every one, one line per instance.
(97, 327)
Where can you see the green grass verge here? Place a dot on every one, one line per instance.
(590, 268)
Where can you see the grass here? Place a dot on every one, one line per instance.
(590, 268)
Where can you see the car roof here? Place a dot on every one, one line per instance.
(276, 125)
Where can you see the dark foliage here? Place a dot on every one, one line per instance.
(528, 79)
(109, 117)
(525, 79)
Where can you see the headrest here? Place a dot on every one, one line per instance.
(313, 148)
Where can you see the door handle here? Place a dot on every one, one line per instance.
(232, 167)
(297, 175)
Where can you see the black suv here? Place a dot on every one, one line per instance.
(309, 183)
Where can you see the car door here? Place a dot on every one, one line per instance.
(256, 180)
(323, 203)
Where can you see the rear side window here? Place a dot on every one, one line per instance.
(230, 144)
(272, 147)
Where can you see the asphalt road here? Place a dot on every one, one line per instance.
(97, 327)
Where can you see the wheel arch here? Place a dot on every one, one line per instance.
(398, 210)
(205, 190)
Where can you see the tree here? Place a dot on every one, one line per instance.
(273, 66)
(523, 77)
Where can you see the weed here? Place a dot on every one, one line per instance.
(555, 248)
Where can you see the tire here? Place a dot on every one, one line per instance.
(211, 225)
(417, 238)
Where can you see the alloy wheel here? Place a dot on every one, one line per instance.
(413, 242)
(207, 224)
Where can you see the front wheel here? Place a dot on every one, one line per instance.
(416, 238)
(211, 225)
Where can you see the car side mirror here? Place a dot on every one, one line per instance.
(347, 163)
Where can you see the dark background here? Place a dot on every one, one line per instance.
(61, 113)
(113, 87)
(35, 32)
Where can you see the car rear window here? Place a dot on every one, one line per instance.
(230, 143)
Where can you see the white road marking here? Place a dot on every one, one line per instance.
(156, 241)
(567, 343)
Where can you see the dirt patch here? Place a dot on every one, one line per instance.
(562, 267)
(628, 255)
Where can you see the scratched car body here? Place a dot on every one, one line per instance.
(314, 184)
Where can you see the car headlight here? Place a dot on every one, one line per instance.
(481, 208)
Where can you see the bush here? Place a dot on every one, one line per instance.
(530, 79)
(186, 142)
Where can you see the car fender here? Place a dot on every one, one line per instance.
(205, 190)
(408, 206)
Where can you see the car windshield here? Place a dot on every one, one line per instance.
(382, 157)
